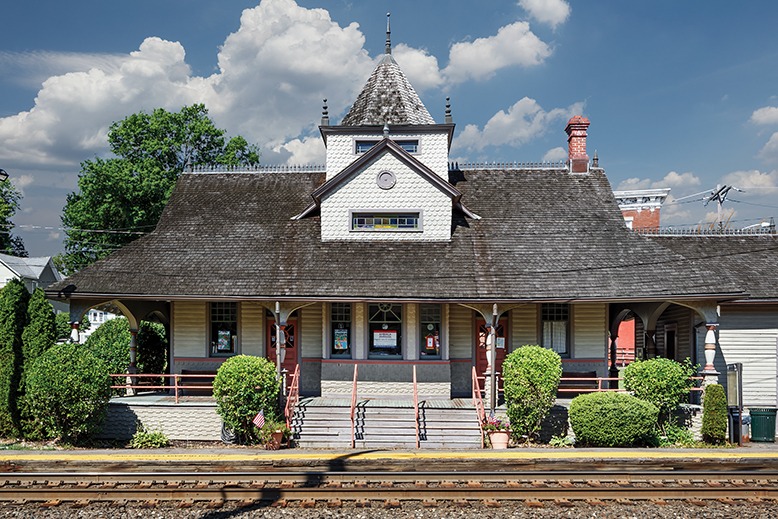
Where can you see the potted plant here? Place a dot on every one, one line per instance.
(274, 434)
(498, 430)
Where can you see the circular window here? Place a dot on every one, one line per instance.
(386, 180)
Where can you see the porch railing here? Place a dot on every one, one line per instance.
(478, 403)
(354, 406)
(292, 396)
(416, 406)
(176, 382)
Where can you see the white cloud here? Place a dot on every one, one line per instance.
(551, 12)
(769, 152)
(419, 66)
(672, 179)
(523, 122)
(633, 183)
(514, 44)
(766, 115)
(752, 179)
(308, 150)
(555, 154)
(32, 68)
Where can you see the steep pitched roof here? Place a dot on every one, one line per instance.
(544, 235)
(27, 268)
(387, 97)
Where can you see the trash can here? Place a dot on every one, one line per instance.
(745, 432)
(734, 424)
(762, 423)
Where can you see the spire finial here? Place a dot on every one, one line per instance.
(388, 35)
(448, 110)
(325, 114)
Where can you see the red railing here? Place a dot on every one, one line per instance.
(354, 406)
(293, 396)
(176, 384)
(478, 403)
(416, 406)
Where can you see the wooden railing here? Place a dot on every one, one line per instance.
(292, 396)
(416, 406)
(478, 403)
(354, 406)
(176, 382)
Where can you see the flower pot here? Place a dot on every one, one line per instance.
(276, 437)
(499, 439)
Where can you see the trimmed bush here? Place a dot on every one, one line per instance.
(62, 321)
(714, 414)
(243, 386)
(610, 419)
(662, 382)
(68, 388)
(13, 318)
(531, 376)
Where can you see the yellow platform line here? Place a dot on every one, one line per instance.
(290, 455)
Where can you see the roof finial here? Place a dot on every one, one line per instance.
(596, 160)
(325, 114)
(386, 130)
(388, 35)
(448, 111)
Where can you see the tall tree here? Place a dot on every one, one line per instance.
(119, 199)
(38, 336)
(13, 318)
(9, 204)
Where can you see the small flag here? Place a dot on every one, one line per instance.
(259, 420)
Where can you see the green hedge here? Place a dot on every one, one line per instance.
(243, 386)
(610, 419)
(662, 382)
(714, 414)
(531, 376)
(13, 318)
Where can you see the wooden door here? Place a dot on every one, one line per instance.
(290, 359)
(481, 332)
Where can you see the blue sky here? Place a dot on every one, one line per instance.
(679, 94)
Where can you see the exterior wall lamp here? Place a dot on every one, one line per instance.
(3, 175)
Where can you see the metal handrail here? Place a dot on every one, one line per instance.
(293, 396)
(416, 406)
(478, 403)
(353, 406)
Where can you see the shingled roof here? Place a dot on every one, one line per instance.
(544, 235)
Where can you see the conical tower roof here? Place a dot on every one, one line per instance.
(387, 97)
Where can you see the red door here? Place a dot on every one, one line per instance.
(481, 332)
(290, 359)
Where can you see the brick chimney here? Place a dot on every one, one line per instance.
(576, 144)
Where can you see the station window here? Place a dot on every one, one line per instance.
(556, 324)
(224, 328)
(385, 221)
(385, 321)
(409, 145)
(430, 318)
(340, 320)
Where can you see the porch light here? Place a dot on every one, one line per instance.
(3, 175)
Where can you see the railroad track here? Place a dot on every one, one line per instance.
(363, 487)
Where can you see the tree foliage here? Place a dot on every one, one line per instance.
(123, 197)
(663, 382)
(38, 336)
(714, 414)
(9, 204)
(13, 318)
(610, 419)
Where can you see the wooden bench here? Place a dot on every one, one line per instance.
(575, 387)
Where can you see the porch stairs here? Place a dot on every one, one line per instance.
(382, 423)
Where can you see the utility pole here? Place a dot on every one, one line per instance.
(719, 196)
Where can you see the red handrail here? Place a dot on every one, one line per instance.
(478, 402)
(353, 405)
(416, 406)
(293, 396)
(175, 386)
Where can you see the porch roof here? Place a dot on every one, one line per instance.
(543, 235)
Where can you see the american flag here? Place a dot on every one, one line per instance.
(259, 420)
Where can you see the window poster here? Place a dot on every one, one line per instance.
(341, 339)
(500, 343)
(223, 341)
(385, 338)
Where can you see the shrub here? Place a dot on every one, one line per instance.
(68, 388)
(714, 414)
(13, 318)
(610, 419)
(38, 336)
(531, 376)
(676, 435)
(143, 439)
(662, 382)
(62, 321)
(245, 385)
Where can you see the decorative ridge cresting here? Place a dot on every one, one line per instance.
(455, 166)
(264, 168)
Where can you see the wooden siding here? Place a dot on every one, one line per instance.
(590, 326)
(682, 318)
(190, 328)
(524, 326)
(252, 326)
(460, 322)
(311, 331)
(748, 334)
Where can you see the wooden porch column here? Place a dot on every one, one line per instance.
(74, 335)
(613, 372)
(650, 343)
(132, 369)
(709, 371)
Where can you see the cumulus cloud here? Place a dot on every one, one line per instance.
(551, 12)
(514, 44)
(769, 152)
(419, 66)
(555, 154)
(752, 179)
(766, 115)
(672, 179)
(523, 121)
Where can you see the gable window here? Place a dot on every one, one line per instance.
(430, 317)
(409, 145)
(340, 320)
(385, 320)
(375, 221)
(362, 146)
(224, 328)
(555, 319)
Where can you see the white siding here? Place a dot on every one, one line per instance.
(748, 334)
(311, 331)
(590, 325)
(252, 326)
(460, 332)
(524, 326)
(190, 328)
(411, 193)
(411, 333)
